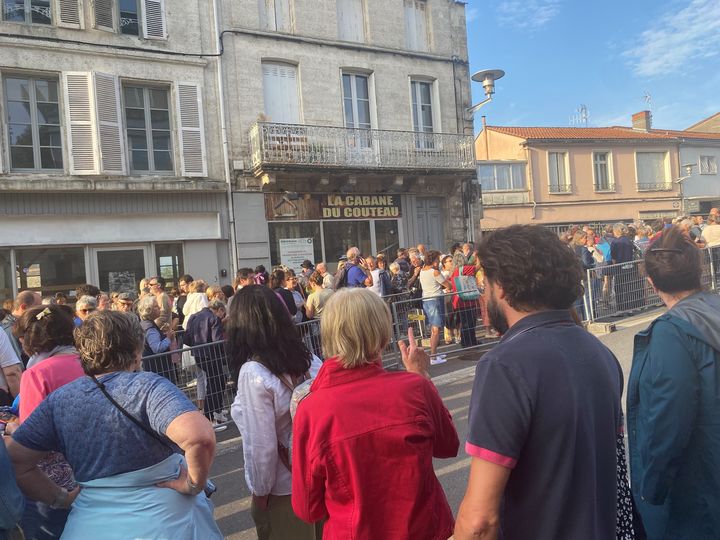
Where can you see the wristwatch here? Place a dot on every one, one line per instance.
(195, 489)
(60, 499)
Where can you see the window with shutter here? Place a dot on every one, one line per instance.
(154, 26)
(69, 13)
(112, 147)
(103, 11)
(192, 130)
(129, 20)
(350, 20)
(276, 15)
(280, 93)
(416, 31)
(80, 117)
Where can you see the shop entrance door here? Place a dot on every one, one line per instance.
(120, 269)
(430, 223)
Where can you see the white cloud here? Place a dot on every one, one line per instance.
(677, 39)
(527, 14)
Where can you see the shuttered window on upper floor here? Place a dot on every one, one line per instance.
(416, 25)
(351, 20)
(280, 92)
(276, 15)
(132, 17)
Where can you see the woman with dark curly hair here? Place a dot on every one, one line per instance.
(46, 334)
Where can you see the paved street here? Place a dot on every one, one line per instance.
(454, 381)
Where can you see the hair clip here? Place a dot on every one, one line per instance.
(44, 312)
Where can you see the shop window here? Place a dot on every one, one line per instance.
(169, 262)
(6, 291)
(341, 235)
(302, 229)
(387, 239)
(50, 270)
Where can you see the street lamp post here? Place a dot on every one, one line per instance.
(487, 77)
(688, 167)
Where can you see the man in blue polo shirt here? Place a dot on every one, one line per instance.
(545, 408)
(357, 274)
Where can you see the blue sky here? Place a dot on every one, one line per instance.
(559, 54)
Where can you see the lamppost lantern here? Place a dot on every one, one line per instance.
(688, 168)
(487, 77)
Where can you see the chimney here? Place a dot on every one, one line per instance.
(642, 120)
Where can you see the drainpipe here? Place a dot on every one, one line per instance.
(531, 183)
(224, 138)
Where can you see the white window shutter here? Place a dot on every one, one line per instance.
(154, 21)
(351, 25)
(80, 117)
(103, 13)
(280, 93)
(109, 124)
(193, 158)
(69, 13)
(283, 16)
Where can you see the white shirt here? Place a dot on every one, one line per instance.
(195, 302)
(261, 411)
(7, 358)
(375, 287)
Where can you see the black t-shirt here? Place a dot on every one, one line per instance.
(546, 404)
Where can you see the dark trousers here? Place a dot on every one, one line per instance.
(216, 381)
(629, 290)
(40, 522)
(468, 322)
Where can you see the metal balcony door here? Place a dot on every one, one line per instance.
(430, 223)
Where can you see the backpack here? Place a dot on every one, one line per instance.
(466, 286)
(341, 278)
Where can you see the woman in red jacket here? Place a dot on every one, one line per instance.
(364, 438)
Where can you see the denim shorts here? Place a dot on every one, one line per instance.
(435, 311)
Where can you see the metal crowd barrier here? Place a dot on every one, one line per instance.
(617, 290)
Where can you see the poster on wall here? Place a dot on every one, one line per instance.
(293, 251)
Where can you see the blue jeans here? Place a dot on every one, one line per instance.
(40, 522)
(434, 311)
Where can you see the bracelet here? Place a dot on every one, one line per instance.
(60, 499)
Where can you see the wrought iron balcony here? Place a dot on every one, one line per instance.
(605, 187)
(655, 186)
(560, 188)
(292, 145)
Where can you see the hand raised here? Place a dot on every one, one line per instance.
(414, 358)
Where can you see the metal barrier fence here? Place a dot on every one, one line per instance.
(621, 289)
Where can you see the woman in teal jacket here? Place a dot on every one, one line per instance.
(673, 400)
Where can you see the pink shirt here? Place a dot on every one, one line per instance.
(44, 378)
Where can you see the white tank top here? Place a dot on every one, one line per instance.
(431, 284)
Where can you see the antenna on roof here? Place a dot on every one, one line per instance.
(647, 98)
(580, 117)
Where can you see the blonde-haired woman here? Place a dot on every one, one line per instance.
(364, 438)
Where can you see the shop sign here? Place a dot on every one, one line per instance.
(293, 251)
(360, 206)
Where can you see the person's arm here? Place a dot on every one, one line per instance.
(444, 283)
(156, 342)
(13, 374)
(479, 514)
(195, 436)
(415, 275)
(308, 474)
(12, 501)
(309, 306)
(670, 409)
(216, 330)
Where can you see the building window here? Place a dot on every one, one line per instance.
(280, 93)
(147, 123)
(129, 17)
(33, 118)
(50, 270)
(356, 101)
(416, 27)
(6, 277)
(601, 170)
(502, 177)
(27, 11)
(170, 264)
(652, 171)
(708, 165)
(559, 178)
(350, 20)
(276, 15)
(422, 113)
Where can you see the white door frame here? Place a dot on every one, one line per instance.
(91, 261)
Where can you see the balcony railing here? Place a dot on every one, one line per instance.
(605, 188)
(654, 186)
(564, 188)
(346, 148)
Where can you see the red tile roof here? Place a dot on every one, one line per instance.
(595, 133)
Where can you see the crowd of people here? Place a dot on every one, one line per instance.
(106, 445)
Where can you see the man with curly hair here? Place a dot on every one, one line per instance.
(545, 407)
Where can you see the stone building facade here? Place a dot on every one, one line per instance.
(347, 126)
(111, 166)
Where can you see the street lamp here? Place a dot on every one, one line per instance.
(487, 77)
(688, 168)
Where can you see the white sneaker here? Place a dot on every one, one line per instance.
(219, 427)
(221, 417)
(438, 359)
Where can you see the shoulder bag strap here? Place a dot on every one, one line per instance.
(130, 417)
